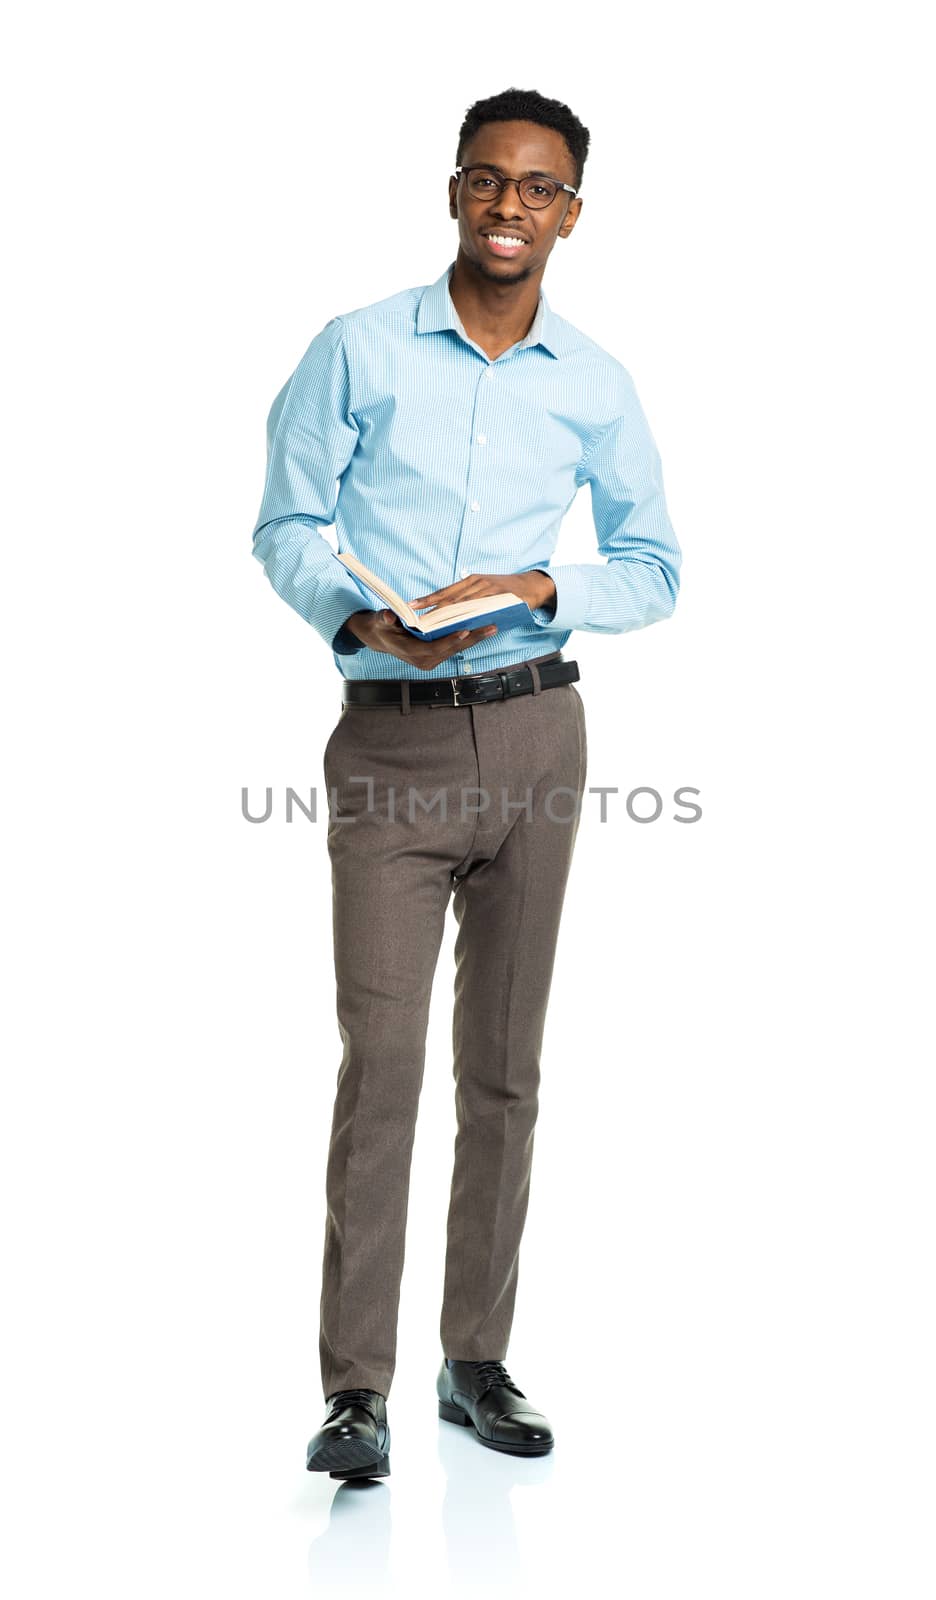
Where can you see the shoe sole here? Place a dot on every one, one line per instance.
(450, 1413)
(350, 1458)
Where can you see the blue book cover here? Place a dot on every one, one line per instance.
(509, 616)
(504, 610)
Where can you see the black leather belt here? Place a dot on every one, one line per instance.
(470, 690)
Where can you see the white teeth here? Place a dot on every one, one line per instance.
(499, 238)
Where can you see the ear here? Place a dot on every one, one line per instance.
(572, 216)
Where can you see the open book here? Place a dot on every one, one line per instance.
(507, 610)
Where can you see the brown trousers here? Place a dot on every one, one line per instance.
(484, 808)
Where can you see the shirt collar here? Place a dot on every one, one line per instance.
(436, 311)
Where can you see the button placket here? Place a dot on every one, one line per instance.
(478, 438)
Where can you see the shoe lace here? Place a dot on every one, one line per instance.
(494, 1373)
(354, 1397)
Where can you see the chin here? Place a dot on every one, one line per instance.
(510, 275)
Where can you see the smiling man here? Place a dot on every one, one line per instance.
(445, 431)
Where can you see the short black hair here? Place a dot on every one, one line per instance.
(526, 105)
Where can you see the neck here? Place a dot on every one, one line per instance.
(492, 309)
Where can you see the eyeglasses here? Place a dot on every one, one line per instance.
(487, 183)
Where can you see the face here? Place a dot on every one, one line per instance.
(516, 148)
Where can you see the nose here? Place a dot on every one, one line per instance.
(508, 202)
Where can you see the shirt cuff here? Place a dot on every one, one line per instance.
(334, 603)
(346, 643)
(571, 602)
(322, 590)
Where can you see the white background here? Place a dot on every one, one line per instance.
(726, 1300)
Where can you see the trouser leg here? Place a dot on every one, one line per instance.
(508, 902)
(392, 881)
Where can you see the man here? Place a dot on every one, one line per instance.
(445, 431)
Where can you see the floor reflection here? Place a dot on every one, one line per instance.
(354, 1550)
(479, 1536)
(477, 1511)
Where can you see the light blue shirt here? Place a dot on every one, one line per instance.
(434, 462)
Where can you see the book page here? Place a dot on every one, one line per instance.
(436, 616)
(468, 608)
(388, 595)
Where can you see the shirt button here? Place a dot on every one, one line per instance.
(475, 506)
(482, 438)
(489, 373)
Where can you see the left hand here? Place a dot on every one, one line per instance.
(536, 588)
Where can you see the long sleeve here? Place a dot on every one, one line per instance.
(639, 581)
(311, 437)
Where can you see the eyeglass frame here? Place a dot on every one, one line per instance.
(485, 166)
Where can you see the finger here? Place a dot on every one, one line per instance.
(472, 637)
(451, 592)
(454, 642)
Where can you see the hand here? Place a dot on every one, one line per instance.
(536, 588)
(382, 630)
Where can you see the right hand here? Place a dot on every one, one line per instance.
(382, 630)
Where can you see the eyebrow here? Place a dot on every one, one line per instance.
(493, 167)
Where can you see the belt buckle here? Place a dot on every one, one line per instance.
(454, 683)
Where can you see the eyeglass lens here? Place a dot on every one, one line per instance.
(533, 191)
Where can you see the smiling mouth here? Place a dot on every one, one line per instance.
(504, 244)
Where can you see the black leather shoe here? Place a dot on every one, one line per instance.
(482, 1395)
(354, 1439)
